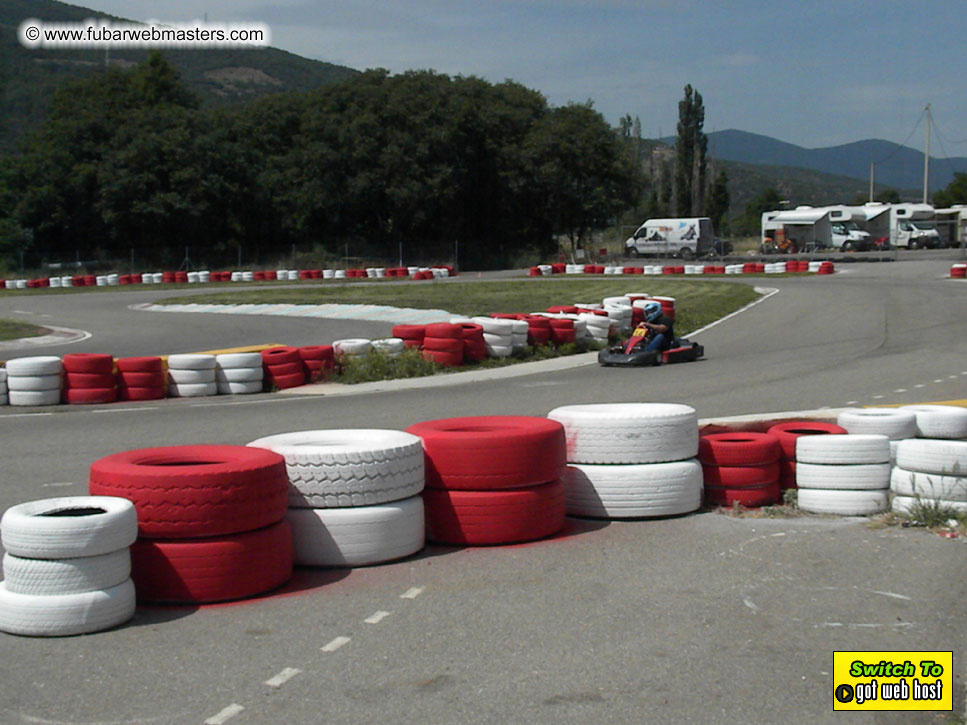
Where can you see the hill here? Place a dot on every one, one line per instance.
(28, 77)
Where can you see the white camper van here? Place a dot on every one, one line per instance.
(911, 226)
(685, 238)
(845, 233)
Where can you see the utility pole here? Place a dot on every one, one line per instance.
(872, 166)
(926, 159)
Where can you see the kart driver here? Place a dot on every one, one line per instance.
(661, 327)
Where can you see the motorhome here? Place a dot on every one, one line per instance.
(952, 225)
(802, 229)
(686, 238)
(845, 232)
(911, 226)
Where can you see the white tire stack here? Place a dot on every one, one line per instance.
(191, 375)
(392, 346)
(620, 316)
(930, 471)
(895, 423)
(3, 387)
(351, 347)
(847, 474)
(354, 495)
(939, 421)
(34, 380)
(518, 335)
(67, 566)
(598, 326)
(631, 460)
(239, 373)
(498, 334)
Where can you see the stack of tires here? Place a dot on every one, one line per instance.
(631, 460)
(282, 368)
(89, 378)
(562, 331)
(443, 344)
(843, 474)
(519, 334)
(354, 495)
(932, 472)
(492, 479)
(538, 330)
(895, 423)
(939, 421)
(411, 335)
(599, 326)
(34, 380)
(317, 361)
(4, 400)
(141, 378)
(740, 468)
(498, 335)
(474, 344)
(239, 373)
(211, 520)
(351, 347)
(191, 375)
(67, 566)
(392, 346)
(787, 433)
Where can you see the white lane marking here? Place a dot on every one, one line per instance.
(750, 604)
(59, 484)
(891, 594)
(23, 312)
(124, 410)
(376, 617)
(412, 593)
(951, 377)
(852, 402)
(25, 415)
(225, 715)
(878, 397)
(938, 380)
(284, 676)
(256, 402)
(900, 390)
(919, 385)
(335, 644)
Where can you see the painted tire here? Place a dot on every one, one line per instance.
(763, 474)
(939, 421)
(68, 527)
(140, 365)
(191, 361)
(88, 362)
(66, 576)
(215, 569)
(633, 491)
(280, 356)
(443, 331)
(739, 449)
(38, 365)
(844, 503)
(192, 390)
(484, 518)
(929, 456)
(240, 375)
(284, 382)
(451, 346)
(89, 380)
(788, 432)
(136, 393)
(189, 376)
(66, 614)
(243, 388)
(33, 397)
(235, 360)
(194, 491)
(87, 396)
(752, 497)
(906, 504)
(33, 383)
(491, 452)
(843, 449)
(927, 485)
(894, 423)
(857, 477)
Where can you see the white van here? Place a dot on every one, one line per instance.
(685, 238)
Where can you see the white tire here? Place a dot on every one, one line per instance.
(66, 576)
(927, 485)
(352, 346)
(390, 345)
(850, 448)
(894, 423)
(3, 375)
(349, 467)
(616, 302)
(906, 504)
(192, 390)
(68, 527)
(857, 477)
(191, 361)
(190, 377)
(493, 325)
(39, 365)
(499, 340)
(844, 503)
(66, 614)
(357, 536)
(500, 350)
(240, 388)
(33, 397)
(939, 421)
(239, 375)
(33, 382)
(628, 432)
(933, 456)
(242, 360)
(650, 489)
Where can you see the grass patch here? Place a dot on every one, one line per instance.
(698, 302)
(14, 330)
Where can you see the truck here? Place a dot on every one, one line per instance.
(686, 238)
(911, 226)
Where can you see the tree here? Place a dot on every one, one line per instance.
(718, 202)
(955, 193)
(750, 223)
(691, 147)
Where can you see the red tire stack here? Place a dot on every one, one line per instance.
(317, 361)
(787, 433)
(493, 479)
(411, 335)
(141, 378)
(443, 344)
(211, 520)
(740, 468)
(826, 268)
(474, 345)
(539, 330)
(283, 367)
(89, 378)
(562, 331)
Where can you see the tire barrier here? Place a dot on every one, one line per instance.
(141, 378)
(790, 266)
(411, 335)
(939, 421)
(89, 378)
(443, 344)
(67, 566)
(846, 474)
(34, 380)
(282, 367)
(740, 468)
(894, 423)
(191, 375)
(492, 479)
(930, 473)
(239, 373)
(787, 433)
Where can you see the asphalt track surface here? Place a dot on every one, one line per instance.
(703, 618)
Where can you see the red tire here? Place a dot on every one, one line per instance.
(88, 362)
(481, 518)
(475, 350)
(89, 380)
(787, 474)
(82, 396)
(738, 449)
(293, 380)
(195, 491)
(143, 380)
(442, 344)
(446, 359)
(741, 476)
(568, 309)
(281, 356)
(281, 370)
(557, 324)
(216, 569)
(136, 393)
(787, 433)
(491, 452)
(322, 353)
(140, 364)
(562, 336)
(472, 331)
(409, 332)
(443, 330)
(761, 496)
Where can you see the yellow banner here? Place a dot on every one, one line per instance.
(892, 680)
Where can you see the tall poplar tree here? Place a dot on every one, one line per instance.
(690, 155)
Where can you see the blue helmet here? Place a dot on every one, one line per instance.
(652, 310)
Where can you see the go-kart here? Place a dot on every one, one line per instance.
(632, 352)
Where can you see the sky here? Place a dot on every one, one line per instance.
(815, 74)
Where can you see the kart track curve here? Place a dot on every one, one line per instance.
(702, 618)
